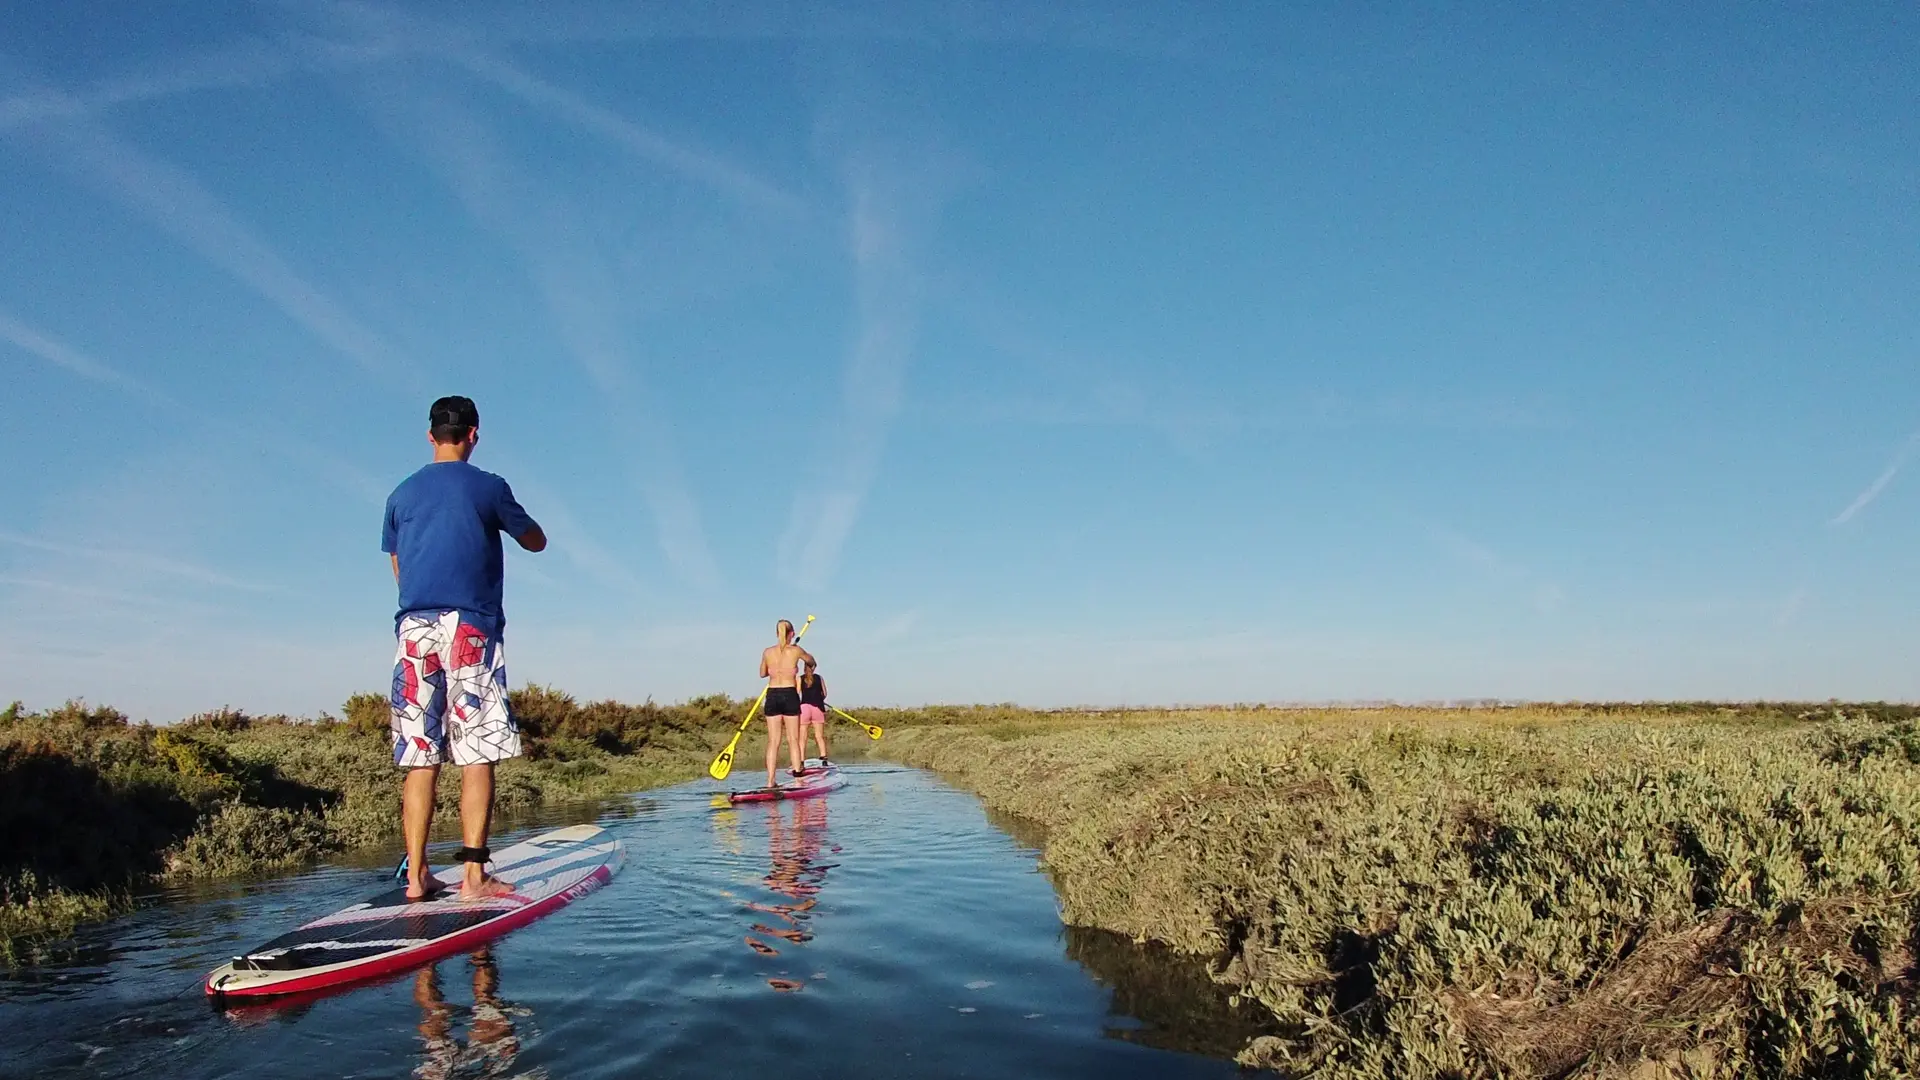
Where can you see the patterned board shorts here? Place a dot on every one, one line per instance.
(450, 694)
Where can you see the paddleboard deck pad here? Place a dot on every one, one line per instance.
(817, 780)
(389, 933)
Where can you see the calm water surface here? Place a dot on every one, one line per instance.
(888, 930)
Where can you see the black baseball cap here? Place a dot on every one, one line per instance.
(453, 411)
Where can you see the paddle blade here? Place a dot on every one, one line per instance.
(722, 765)
(874, 732)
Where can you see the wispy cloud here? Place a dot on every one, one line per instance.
(244, 63)
(389, 31)
(159, 564)
(1187, 418)
(1049, 382)
(175, 202)
(887, 212)
(706, 168)
(583, 287)
(1443, 410)
(570, 537)
(1191, 421)
(237, 64)
(1142, 30)
(320, 463)
(1879, 485)
(36, 343)
(249, 62)
(86, 592)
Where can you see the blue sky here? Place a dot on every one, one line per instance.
(1060, 354)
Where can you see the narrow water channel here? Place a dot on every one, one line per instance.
(887, 930)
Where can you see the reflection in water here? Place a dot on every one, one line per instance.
(1026, 832)
(796, 875)
(1163, 999)
(1160, 998)
(492, 1043)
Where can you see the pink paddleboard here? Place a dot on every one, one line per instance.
(817, 780)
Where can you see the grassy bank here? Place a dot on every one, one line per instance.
(1607, 891)
(95, 807)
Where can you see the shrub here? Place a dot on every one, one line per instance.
(224, 720)
(93, 805)
(1520, 892)
(370, 714)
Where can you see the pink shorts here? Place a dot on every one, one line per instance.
(811, 714)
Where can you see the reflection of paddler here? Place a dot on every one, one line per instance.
(794, 874)
(492, 1044)
(794, 849)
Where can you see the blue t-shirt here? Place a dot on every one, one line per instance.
(444, 522)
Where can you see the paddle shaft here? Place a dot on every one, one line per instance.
(873, 730)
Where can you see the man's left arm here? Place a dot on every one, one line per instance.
(390, 539)
(517, 523)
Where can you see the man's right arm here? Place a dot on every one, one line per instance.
(533, 539)
(763, 663)
(396, 568)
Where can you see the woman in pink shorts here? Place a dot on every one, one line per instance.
(813, 710)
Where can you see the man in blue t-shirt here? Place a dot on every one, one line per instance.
(450, 676)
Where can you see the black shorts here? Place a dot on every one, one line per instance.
(783, 701)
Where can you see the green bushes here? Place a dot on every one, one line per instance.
(368, 714)
(1513, 892)
(551, 718)
(32, 912)
(93, 806)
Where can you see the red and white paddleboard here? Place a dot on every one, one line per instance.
(389, 933)
(816, 780)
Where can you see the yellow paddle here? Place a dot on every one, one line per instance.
(723, 764)
(873, 730)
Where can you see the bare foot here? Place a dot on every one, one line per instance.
(422, 890)
(486, 888)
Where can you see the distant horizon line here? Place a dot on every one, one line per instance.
(19, 707)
